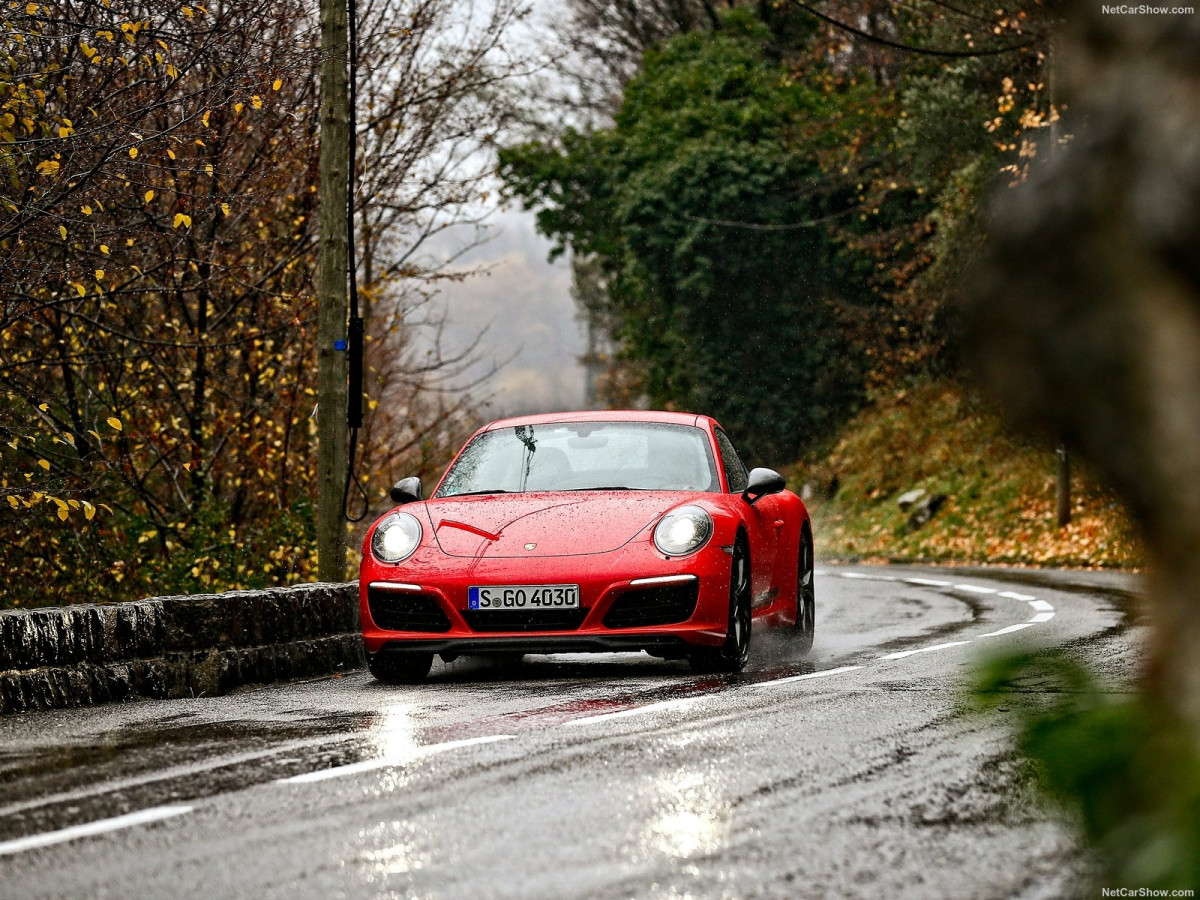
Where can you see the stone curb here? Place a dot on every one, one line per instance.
(182, 646)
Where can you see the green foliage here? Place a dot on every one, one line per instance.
(705, 202)
(1127, 768)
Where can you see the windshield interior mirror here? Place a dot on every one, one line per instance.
(760, 483)
(407, 490)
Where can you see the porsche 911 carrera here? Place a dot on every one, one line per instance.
(588, 531)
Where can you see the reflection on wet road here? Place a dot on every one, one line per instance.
(617, 768)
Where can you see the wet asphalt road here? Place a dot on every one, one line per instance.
(851, 773)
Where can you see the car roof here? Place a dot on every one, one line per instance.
(604, 415)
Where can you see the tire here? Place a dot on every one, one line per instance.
(400, 667)
(806, 595)
(733, 655)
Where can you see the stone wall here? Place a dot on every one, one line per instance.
(184, 646)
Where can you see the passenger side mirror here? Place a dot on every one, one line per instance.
(762, 482)
(407, 490)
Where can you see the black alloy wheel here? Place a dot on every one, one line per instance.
(733, 655)
(806, 595)
(400, 667)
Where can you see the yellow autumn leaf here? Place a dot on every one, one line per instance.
(86, 210)
(277, 85)
(149, 196)
(171, 153)
(133, 152)
(89, 511)
(80, 290)
(63, 512)
(237, 108)
(181, 219)
(44, 464)
(225, 208)
(31, 9)
(13, 502)
(104, 249)
(204, 118)
(114, 423)
(62, 229)
(47, 168)
(99, 274)
(208, 169)
(257, 101)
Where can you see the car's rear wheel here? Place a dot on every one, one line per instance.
(733, 655)
(400, 667)
(806, 595)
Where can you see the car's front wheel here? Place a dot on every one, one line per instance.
(733, 655)
(400, 667)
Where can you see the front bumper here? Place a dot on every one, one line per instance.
(440, 621)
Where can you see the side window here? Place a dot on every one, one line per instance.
(735, 471)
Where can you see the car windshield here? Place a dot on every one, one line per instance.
(582, 456)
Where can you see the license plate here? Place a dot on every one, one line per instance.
(524, 596)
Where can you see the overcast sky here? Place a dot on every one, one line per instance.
(525, 304)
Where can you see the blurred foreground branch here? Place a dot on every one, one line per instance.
(1085, 312)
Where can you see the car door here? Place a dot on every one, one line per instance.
(764, 522)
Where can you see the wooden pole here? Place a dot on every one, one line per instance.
(332, 268)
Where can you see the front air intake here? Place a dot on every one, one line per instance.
(660, 604)
(403, 611)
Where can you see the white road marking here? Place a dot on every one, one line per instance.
(904, 653)
(122, 784)
(368, 765)
(156, 814)
(1045, 610)
(791, 678)
(1012, 595)
(636, 711)
(1009, 630)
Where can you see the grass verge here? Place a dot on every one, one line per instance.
(1000, 490)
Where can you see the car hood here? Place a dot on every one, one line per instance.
(567, 523)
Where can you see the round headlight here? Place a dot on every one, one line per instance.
(396, 537)
(683, 530)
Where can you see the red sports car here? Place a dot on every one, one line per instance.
(587, 531)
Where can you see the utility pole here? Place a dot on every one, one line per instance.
(332, 266)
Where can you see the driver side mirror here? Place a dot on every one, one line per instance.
(762, 482)
(407, 490)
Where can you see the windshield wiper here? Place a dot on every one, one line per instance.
(477, 493)
(609, 487)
